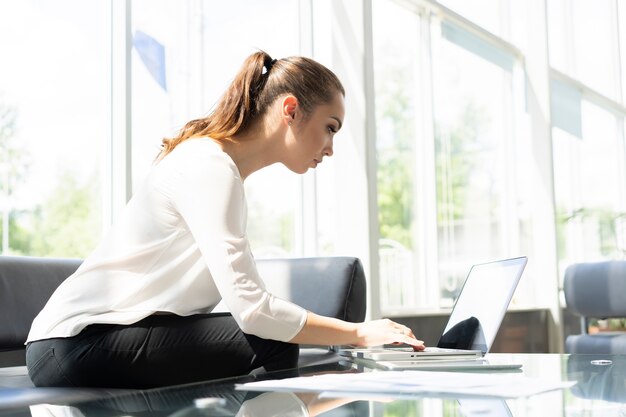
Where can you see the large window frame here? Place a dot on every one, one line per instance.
(119, 178)
(339, 33)
(438, 23)
(570, 89)
(545, 107)
(54, 127)
(568, 96)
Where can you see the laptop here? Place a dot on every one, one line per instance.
(473, 323)
(452, 365)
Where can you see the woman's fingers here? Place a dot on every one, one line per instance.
(405, 335)
(385, 331)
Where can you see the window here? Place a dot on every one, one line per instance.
(583, 42)
(483, 110)
(182, 64)
(589, 187)
(474, 171)
(588, 130)
(397, 115)
(451, 150)
(53, 126)
(490, 14)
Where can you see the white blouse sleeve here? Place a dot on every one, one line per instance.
(208, 193)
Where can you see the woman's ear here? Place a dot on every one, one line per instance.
(289, 109)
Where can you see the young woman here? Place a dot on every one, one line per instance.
(137, 313)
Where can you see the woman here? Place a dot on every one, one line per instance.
(137, 313)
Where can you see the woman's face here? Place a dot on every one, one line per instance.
(311, 137)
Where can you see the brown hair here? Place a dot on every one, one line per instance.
(258, 83)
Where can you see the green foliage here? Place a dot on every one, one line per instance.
(267, 229)
(613, 324)
(561, 240)
(8, 116)
(14, 161)
(605, 218)
(454, 162)
(395, 197)
(13, 165)
(617, 324)
(395, 159)
(20, 237)
(404, 408)
(68, 223)
(415, 408)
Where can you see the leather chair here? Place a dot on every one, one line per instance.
(330, 286)
(596, 290)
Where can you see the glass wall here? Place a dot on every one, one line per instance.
(472, 152)
(468, 90)
(466, 76)
(472, 114)
(589, 188)
(184, 56)
(583, 38)
(53, 125)
(55, 96)
(397, 110)
(489, 14)
(588, 129)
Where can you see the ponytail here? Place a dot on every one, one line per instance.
(258, 83)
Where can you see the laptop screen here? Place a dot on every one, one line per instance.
(485, 296)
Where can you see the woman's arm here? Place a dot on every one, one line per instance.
(320, 330)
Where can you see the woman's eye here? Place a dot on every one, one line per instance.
(331, 129)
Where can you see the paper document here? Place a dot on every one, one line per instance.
(413, 383)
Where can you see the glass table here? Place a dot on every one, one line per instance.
(600, 391)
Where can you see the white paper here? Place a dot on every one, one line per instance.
(401, 383)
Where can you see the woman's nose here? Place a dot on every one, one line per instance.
(328, 151)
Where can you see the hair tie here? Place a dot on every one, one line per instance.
(268, 64)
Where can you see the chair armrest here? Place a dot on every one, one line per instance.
(329, 286)
(26, 284)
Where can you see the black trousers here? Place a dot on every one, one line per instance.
(159, 350)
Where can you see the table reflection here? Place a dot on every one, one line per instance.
(599, 388)
(218, 401)
(597, 379)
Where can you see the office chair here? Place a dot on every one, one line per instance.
(596, 290)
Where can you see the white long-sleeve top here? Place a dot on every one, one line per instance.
(180, 246)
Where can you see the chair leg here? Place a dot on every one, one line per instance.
(584, 325)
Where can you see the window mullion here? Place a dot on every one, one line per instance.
(120, 155)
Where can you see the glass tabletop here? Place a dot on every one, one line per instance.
(600, 390)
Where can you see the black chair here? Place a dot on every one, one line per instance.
(330, 286)
(596, 290)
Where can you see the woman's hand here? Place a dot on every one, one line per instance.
(320, 330)
(385, 331)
